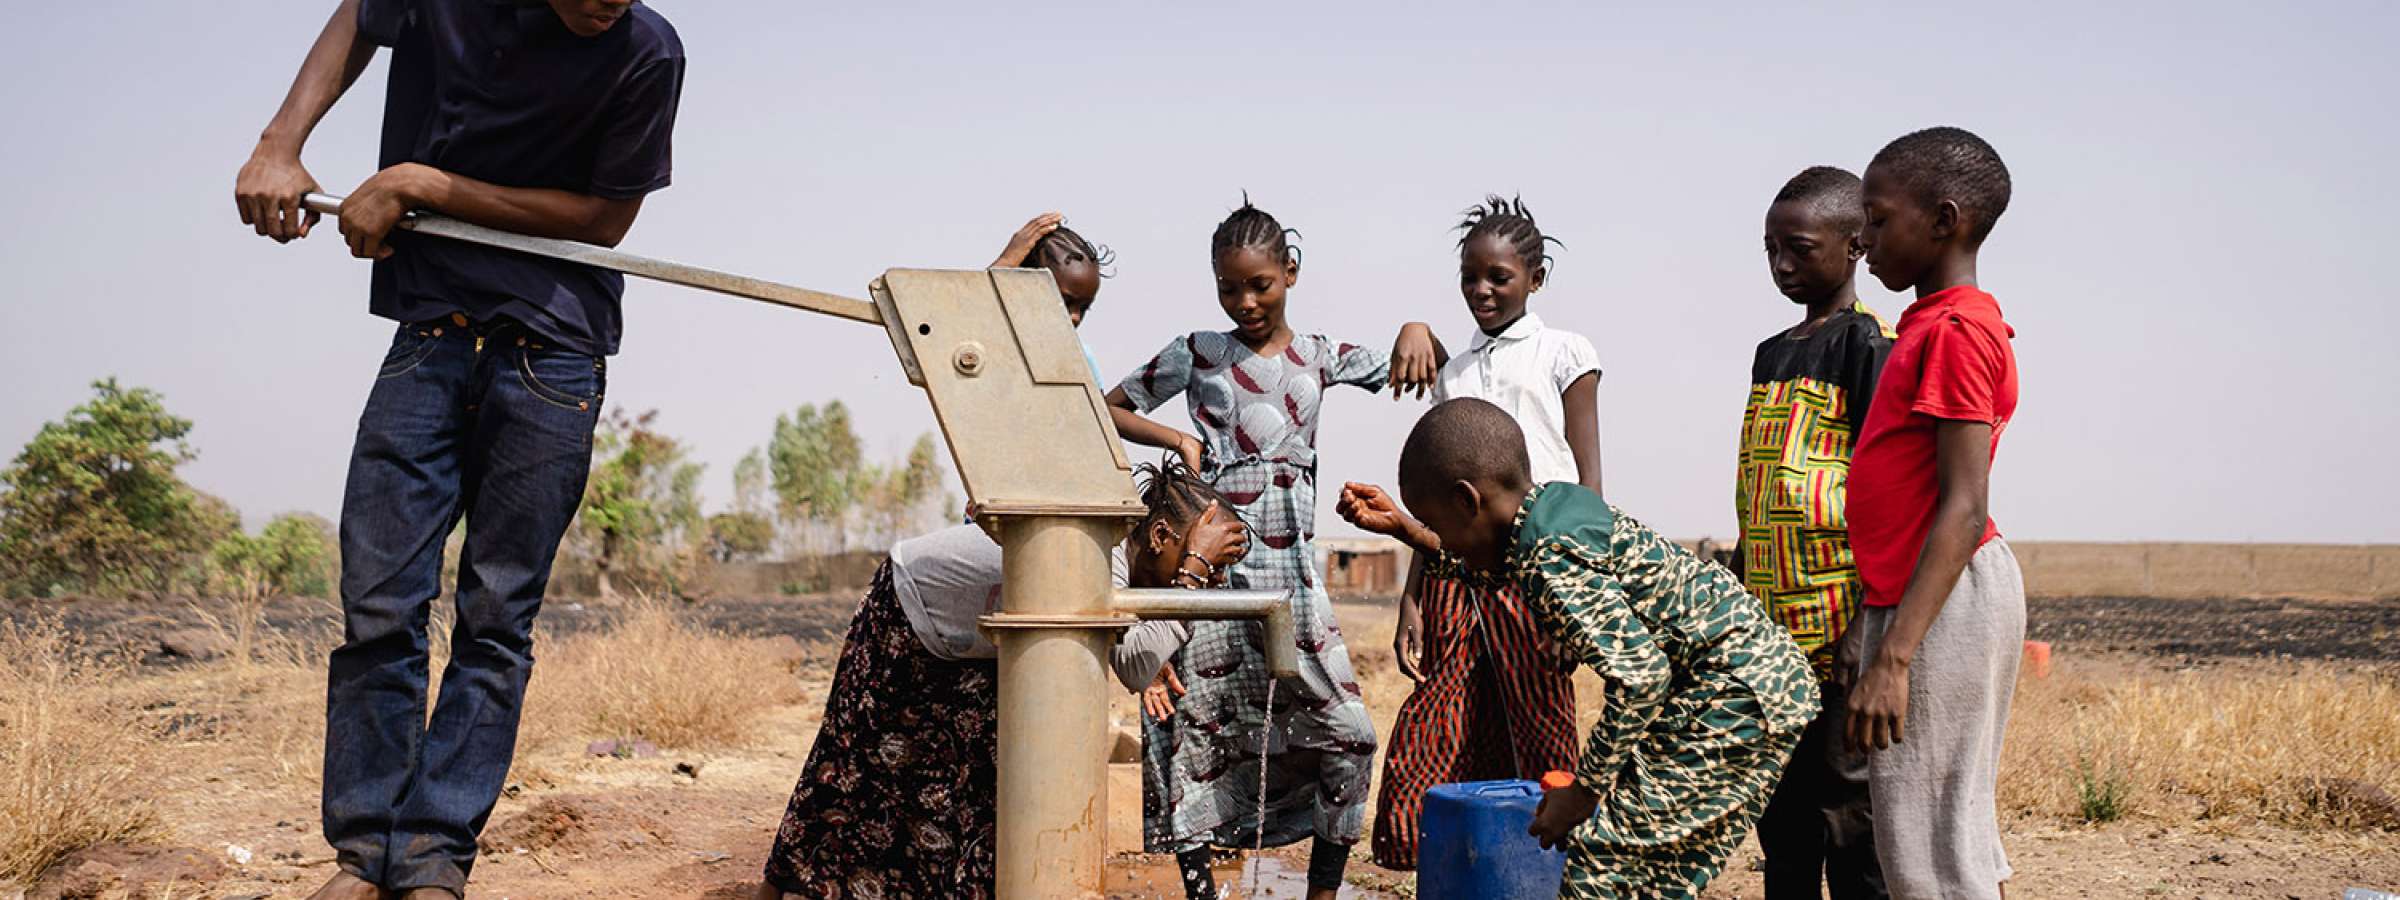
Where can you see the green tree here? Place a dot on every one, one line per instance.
(641, 506)
(739, 536)
(814, 462)
(307, 556)
(750, 483)
(93, 502)
(747, 531)
(292, 556)
(896, 501)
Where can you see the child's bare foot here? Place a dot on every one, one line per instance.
(428, 893)
(345, 886)
(767, 891)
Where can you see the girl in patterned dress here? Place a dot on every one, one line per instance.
(1704, 695)
(1253, 393)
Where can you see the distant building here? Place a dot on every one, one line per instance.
(1363, 568)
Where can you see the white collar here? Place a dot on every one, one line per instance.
(1524, 327)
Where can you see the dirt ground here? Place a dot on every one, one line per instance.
(582, 826)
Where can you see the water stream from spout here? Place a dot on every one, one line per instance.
(1258, 831)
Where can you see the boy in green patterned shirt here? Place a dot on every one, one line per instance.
(1704, 695)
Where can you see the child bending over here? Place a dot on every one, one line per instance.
(897, 797)
(1705, 696)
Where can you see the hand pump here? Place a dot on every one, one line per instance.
(1042, 463)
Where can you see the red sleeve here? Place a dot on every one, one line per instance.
(1964, 364)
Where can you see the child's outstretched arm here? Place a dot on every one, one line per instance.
(1372, 510)
(1582, 403)
(1369, 508)
(1963, 470)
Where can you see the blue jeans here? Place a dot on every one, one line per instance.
(488, 423)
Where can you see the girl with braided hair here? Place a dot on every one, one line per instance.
(1253, 393)
(897, 798)
(1076, 264)
(1490, 703)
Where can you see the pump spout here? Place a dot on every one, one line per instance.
(1283, 648)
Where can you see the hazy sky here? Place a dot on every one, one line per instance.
(2192, 258)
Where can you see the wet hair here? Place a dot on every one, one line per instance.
(1175, 494)
(1830, 192)
(1062, 246)
(1511, 221)
(1253, 228)
(1466, 440)
(1952, 164)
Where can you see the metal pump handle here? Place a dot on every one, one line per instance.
(668, 271)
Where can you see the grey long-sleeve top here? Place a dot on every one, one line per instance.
(948, 580)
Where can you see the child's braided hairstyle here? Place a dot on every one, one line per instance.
(1251, 226)
(1175, 495)
(1510, 220)
(1063, 246)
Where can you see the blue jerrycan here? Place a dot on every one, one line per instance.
(1472, 844)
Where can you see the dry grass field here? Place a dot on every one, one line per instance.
(127, 774)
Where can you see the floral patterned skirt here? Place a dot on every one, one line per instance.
(897, 797)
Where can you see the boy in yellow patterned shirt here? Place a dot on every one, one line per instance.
(1809, 390)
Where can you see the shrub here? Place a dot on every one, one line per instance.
(2100, 792)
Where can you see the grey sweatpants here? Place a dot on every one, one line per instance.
(1937, 826)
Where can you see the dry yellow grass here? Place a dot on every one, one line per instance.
(657, 676)
(75, 765)
(88, 742)
(2286, 744)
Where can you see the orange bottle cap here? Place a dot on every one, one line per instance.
(1555, 780)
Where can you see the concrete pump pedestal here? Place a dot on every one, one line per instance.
(1054, 631)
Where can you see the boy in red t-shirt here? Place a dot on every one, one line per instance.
(1935, 650)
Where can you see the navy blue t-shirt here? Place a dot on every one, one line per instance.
(501, 91)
